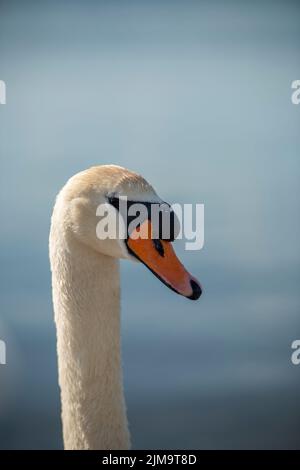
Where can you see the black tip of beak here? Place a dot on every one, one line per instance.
(197, 291)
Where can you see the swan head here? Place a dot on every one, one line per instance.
(100, 199)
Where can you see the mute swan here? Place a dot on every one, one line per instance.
(86, 298)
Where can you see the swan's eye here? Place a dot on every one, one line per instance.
(159, 247)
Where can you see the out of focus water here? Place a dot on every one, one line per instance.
(196, 97)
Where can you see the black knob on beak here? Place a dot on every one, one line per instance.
(197, 291)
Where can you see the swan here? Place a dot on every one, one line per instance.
(86, 301)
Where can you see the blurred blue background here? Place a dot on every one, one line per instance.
(196, 96)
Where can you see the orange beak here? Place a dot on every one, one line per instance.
(160, 258)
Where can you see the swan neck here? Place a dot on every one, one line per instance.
(86, 295)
